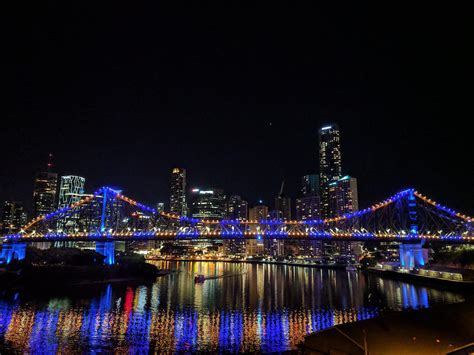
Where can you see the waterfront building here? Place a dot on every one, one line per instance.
(330, 165)
(14, 217)
(178, 192)
(208, 203)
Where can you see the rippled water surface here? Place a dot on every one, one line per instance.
(252, 307)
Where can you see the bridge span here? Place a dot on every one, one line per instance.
(108, 216)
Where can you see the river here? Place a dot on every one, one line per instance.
(254, 307)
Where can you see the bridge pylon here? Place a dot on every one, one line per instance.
(107, 249)
(12, 251)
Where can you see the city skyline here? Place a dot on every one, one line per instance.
(234, 104)
(296, 188)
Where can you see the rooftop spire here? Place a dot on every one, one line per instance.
(50, 161)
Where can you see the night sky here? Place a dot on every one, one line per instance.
(121, 93)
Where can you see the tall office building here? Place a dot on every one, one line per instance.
(44, 191)
(13, 217)
(178, 192)
(329, 163)
(237, 208)
(71, 190)
(208, 203)
(343, 196)
(310, 185)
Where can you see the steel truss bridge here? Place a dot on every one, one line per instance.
(407, 216)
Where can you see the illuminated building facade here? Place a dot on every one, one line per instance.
(236, 208)
(329, 163)
(208, 203)
(13, 217)
(343, 196)
(178, 192)
(44, 193)
(254, 247)
(308, 208)
(71, 190)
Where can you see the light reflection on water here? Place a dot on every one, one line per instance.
(255, 307)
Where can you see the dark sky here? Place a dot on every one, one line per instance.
(121, 93)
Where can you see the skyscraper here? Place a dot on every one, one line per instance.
(343, 197)
(237, 208)
(13, 218)
(178, 192)
(329, 163)
(71, 190)
(44, 191)
(208, 203)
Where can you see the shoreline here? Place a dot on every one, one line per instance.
(422, 280)
(16, 283)
(322, 266)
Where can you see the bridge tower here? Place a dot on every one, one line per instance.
(106, 247)
(12, 251)
(412, 254)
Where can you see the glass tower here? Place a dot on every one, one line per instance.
(209, 203)
(44, 193)
(329, 163)
(178, 192)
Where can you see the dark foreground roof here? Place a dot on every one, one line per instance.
(428, 331)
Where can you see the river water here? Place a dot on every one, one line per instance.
(253, 307)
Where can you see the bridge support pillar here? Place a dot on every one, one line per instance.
(12, 251)
(413, 255)
(107, 249)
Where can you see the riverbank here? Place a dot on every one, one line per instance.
(289, 263)
(67, 267)
(60, 276)
(422, 279)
